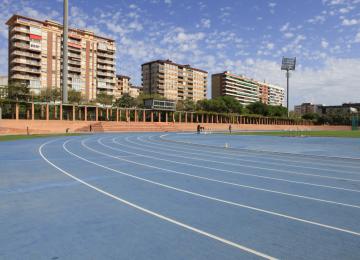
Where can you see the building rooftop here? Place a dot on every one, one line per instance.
(122, 76)
(249, 79)
(173, 63)
(54, 23)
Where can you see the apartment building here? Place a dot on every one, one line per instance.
(276, 95)
(245, 90)
(3, 80)
(134, 91)
(123, 85)
(35, 57)
(174, 81)
(306, 108)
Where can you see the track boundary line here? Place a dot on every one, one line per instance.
(253, 167)
(209, 197)
(219, 181)
(153, 213)
(274, 161)
(241, 173)
(262, 151)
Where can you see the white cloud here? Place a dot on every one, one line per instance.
(317, 19)
(204, 23)
(345, 10)
(285, 27)
(357, 38)
(270, 45)
(288, 35)
(324, 43)
(350, 22)
(272, 5)
(168, 2)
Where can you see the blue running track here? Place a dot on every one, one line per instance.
(180, 196)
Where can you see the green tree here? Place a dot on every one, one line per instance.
(311, 116)
(232, 105)
(74, 96)
(18, 91)
(126, 101)
(277, 111)
(52, 94)
(258, 108)
(186, 105)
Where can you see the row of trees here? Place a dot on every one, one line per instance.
(218, 105)
(231, 105)
(331, 119)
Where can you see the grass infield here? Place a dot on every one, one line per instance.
(23, 137)
(347, 133)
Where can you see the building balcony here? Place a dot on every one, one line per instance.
(107, 80)
(104, 61)
(105, 86)
(23, 77)
(20, 37)
(74, 62)
(26, 61)
(72, 49)
(25, 46)
(25, 54)
(105, 55)
(20, 29)
(74, 55)
(103, 67)
(21, 45)
(105, 74)
(25, 69)
(74, 69)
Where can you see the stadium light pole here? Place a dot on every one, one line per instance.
(65, 54)
(288, 64)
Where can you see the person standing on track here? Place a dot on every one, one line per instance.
(198, 129)
(230, 129)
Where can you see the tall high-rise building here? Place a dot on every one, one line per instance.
(174, 81)
(276, 95)
(245, 90)
(35, 57)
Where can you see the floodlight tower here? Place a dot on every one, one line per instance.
(65, 54)
(288, 64)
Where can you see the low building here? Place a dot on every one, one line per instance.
(154, 104)
(308, 108)
(3, 80)
(134, 91)
(122, 85)
(174, 81)
(342, 110)
(245, 90)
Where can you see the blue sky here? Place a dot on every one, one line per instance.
(247, 37)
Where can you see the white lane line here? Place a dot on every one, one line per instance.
(236, 158)
(249, 166)
(236, 172)
(214, 180)
(273, 213)
(152, 213)
(272, 154)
